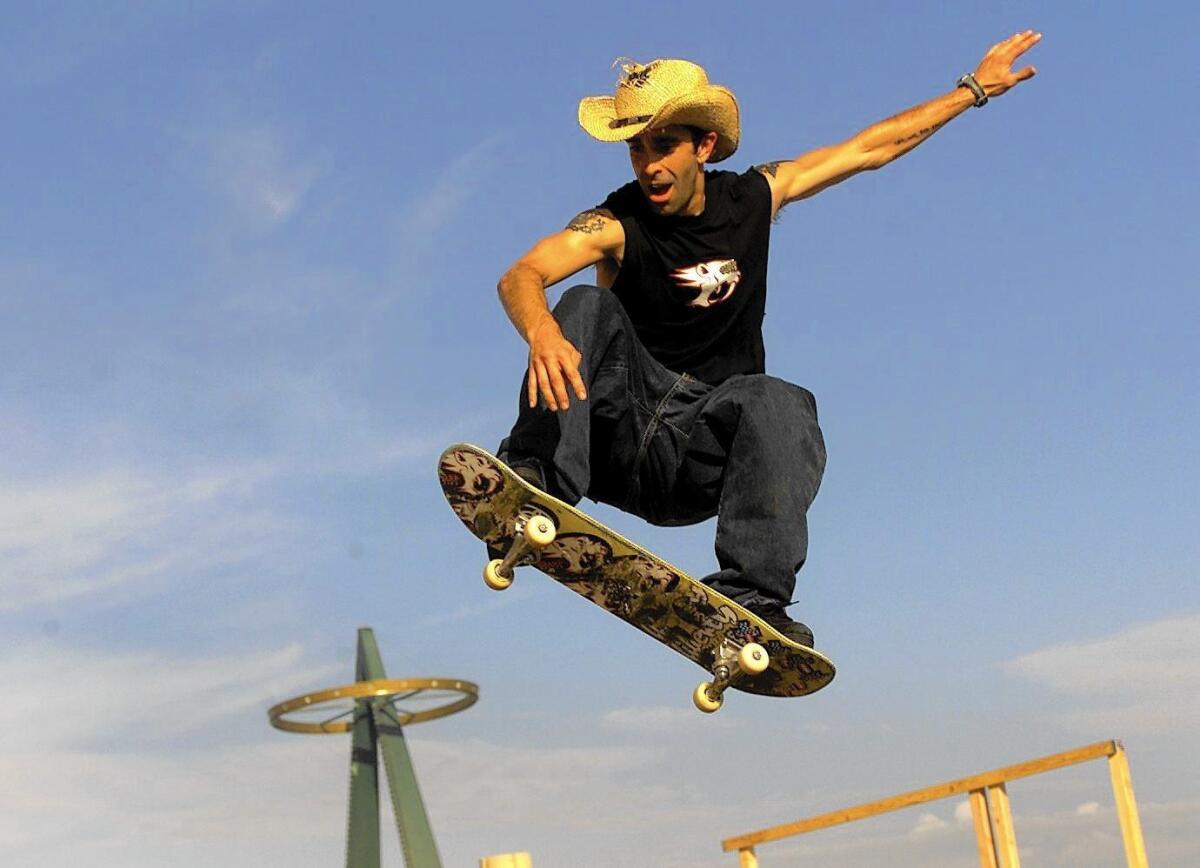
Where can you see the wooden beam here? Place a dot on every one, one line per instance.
(928, 794)
(1131, 826)
(1006, 835)
(983, 829)
(747, 859)
(507, 860)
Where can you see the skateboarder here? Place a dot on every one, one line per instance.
(648, 390)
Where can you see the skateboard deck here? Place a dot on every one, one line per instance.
(531, 527)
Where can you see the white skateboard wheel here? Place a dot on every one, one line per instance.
(540, 531)
(493, 578)
(703, 700)
(753, 658)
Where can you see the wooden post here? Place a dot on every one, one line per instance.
(747, 859)
(1131, 826)
(1006, 835)
(507, 860)
(983, 829)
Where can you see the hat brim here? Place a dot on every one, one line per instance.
(709, 108)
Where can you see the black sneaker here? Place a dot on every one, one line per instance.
(533, 476)
(774, 615)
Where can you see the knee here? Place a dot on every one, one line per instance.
(593, 305)
(771, 395)
(584, 297)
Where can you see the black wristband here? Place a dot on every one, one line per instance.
(968, 81)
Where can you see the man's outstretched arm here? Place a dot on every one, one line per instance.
(880, 143)
(589, 238)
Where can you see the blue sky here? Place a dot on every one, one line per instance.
(247, 277)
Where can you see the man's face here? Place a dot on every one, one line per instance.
(666, 164)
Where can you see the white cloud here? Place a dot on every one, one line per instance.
(66, 538)
(481, 605)
(424, 217)
(588, 805)
(659, 719)
(1144, 678)
(962, 813)
(98, 754)
(252, 168)
(80, 699)
(928, 823)
(1144, 657)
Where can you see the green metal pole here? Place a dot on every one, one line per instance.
(416, 835)
(362, 834)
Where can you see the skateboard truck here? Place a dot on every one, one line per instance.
(732, 661)
(533, 530)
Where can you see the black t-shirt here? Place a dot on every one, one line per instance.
(696, 287)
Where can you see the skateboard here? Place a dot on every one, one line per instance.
(530, 527)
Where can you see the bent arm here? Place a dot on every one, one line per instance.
(883, 142)
(589, 238)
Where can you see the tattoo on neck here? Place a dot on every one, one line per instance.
(769, 168)
(590, 221)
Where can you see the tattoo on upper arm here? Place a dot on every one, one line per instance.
(920, 134)
(769, 168)
(591, 220)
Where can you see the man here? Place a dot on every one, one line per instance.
(675, 418)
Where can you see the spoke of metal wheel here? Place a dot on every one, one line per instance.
(392, 712)
(330, 720)
(400, 697)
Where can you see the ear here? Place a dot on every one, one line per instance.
(705, 149)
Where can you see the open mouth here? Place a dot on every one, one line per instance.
(658, 193)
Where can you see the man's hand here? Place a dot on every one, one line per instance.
(994, 72)
(553, 364)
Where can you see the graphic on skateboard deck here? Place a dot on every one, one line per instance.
(531, 527)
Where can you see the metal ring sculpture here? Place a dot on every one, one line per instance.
(385, 694)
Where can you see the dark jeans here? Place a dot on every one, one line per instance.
(676, 451)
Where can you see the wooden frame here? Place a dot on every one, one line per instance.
(990, 809)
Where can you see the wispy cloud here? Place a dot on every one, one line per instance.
(547, 778)
(1145, 677)
(928, 823)
(167, 696)
(66, 538)
(482, 605)
(108, 741)
(429, 213)
(660, 719)
(253, 167)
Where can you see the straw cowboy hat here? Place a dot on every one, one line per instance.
(660, 93)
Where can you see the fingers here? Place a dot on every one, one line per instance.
(558, 399)
(548, 380)
(1019, 43)
(531, 383)
(1015, 45)
(1026, 73)
(1025, 41)
(545, 380)
(576, 381)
